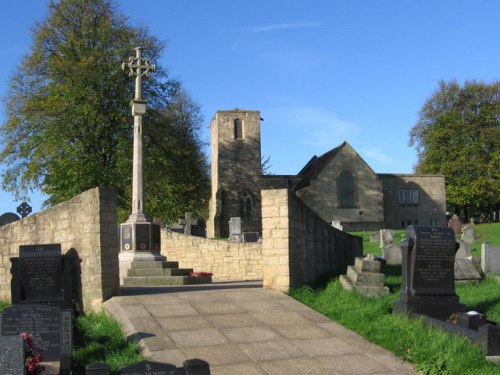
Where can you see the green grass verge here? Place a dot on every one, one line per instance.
(432, 350)
(98, 338)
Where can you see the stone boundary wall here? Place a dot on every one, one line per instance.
(226, 260)
(85, 226)
(299, 248)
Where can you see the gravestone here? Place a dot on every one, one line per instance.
(463, 250)
(455, 224)
(8, 217)
(466, 271)
(148, 368)
(365, 277)
(12, 355)
(49, 325)
(428, 282)
(392, 254)
(251, 236)
(490, 257)
(468, 234)
(337, 224)
(386, 237)
(40, 273)
(375, 237)
(235, 233)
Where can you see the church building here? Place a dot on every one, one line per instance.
(338, 185)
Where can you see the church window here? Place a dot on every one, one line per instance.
(408, 196)
(346, 189)
(238, 129)
(245, 205)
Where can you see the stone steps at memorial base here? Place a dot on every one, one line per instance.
(365, 289)
(145, 272)
(166, 280)
(153, 264)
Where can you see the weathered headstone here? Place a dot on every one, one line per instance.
(466, 271)
(392, 254)
(50, 326)
(235, 233)
(468, 234)
(337, 224)
(365, 277)
(8, 217)
(463, 250)
(12, 355)
(428, 283)
(455, 224)
(375, 237)
(40, 273)
(490, 257)
(386, 237)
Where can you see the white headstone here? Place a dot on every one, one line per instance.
(392, 255)
(490, 257)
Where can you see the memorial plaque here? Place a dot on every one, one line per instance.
(40, 269)
(126, 237)
(50, 326)
(251, 236)
(12, 355)
(156, 237)
(149, 368)
(433, 260)
(142, 237)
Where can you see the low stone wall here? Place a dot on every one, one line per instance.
(85, 226)
(226, 260)
(299, 248)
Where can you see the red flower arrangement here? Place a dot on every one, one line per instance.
(33, 354)
(201, 274)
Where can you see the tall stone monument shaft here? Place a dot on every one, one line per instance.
(138, 67)
(139, 238)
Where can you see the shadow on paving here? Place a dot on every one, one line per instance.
(222, 285)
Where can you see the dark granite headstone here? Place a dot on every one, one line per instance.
(50, 326)
(196, 367)
(148, 368)
(428, 285)
(40, 273)
(251, 236)
(12, 355)
(8, 217)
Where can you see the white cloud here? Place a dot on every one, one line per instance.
(321, 129)
(370, 153)
(282, 26)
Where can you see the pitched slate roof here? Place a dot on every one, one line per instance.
(315, 165)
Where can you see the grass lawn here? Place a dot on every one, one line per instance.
(432, 350)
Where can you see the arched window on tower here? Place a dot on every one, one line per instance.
(246, 205)
(238, 129)
(346, 189)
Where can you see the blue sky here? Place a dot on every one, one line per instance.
(320, 72)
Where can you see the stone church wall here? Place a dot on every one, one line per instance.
(84, 225)
(322, 194)
(431, 206)
(299, 247)
(226, 260)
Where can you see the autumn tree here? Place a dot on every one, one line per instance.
(69, 124)
(458, 135)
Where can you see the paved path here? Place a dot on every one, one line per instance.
(240, 328)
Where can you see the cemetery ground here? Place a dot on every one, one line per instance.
(433, 351)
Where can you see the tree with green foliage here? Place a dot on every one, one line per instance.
(458, 135)
(69, 123)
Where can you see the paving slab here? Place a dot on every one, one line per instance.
(241, 328)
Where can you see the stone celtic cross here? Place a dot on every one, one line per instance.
(138, 67)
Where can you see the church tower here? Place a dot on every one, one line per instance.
(235, 171)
